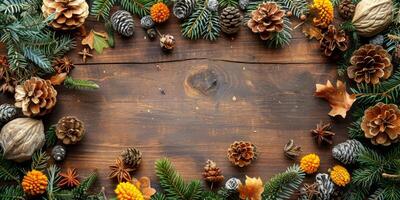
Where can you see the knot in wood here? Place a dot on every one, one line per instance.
(202, 80)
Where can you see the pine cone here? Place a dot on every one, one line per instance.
(381, 123)
(266, 19)
(346, 9)
(167, 42)
(370, 63)
(230, 19)
(122, 22)
(70, 14)
(132, 157)
(212, 173)
(347, 152)
(35, 96)
(183, 8)
(7, 113)
(212, 5)
(333, 40)
(242, 153)
(152, 33)
(146, 22)
(70, 130)
(325, 186)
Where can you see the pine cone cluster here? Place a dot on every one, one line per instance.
(381, 124)
(242, 153)
(333, 40)
(35, 96)
(183, 8)
(212, 173)
(347, 152)
(7, 113)
(122, 22)
(231, 20)
(370, 63)
(346, 9)
(70, 14)
(132, 157)
(70, 130)
(266, 19)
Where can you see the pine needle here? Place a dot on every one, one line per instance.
(101, 8)
(226, 3)
(12, 192)
(51, 137)
(297, 7)
(39, 160)
(8, 171)
(78, 84)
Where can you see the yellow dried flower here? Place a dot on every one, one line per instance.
(310, 163)
(252, 189)
(128, 191)
(34, 183)
(340, 176)
(323, 10)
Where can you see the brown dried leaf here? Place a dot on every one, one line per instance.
(312, 32)
(338, 98)
(58, 79)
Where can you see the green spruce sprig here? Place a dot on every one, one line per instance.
(51, 137)
(12, 192)
(53, 174)
(226, 3)
(101, 8)
(297, 7)
(9, 171)
(40, 160)
(79, 84)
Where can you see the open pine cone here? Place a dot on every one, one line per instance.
(266, 19)
(242, 153)
(369, 64)
(70, 14)
(35, 96)
(70, 130)
(212, 173)
(381, 123)
(132, 157)
(333, 40)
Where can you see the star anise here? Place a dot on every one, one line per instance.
(309, 191)
(120, 171)
(62, 65)
(69, 178)
(323, 133)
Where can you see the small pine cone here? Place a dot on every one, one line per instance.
(325, 186)
(35, 96)
(212, 173)
(231, 20)
(70, 14)
(212, 5)
(232, 183)
(122, 22)
(146, 22)
(370, 63)
(167, 42)
(70, 130)
(152, 33)
(334, 40)
(7, 113)
(346, 9)
(132, 157)
(347, 152)
(243, 4)
(266, 20)
(242, 153)
(183, 8)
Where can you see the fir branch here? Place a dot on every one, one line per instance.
(13, 6)
(282, 186)
(280, 39)
(9, 171)
(81, 192)
(53, 176)
(158, 196)
(39, 160)
(78, 84)
(139, 7)
(226, 3)
(355, 131)
(297, 7)
(51, 137)
(101, 8)
(11, 192)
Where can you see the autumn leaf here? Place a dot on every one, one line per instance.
(312, 32)
(58, 79)
(96, 40)
(338, 98)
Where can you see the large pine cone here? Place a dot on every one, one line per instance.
(70, 130)
(346, 9)
(347, 152)
(212, 173)
(381, 123)
(266, 19)
(122, 22)
(35, 96)
(183, 8)
(70, 14)
(242, 153)
(230, 19)
(132, 157)
(333, 40)
(369, 64)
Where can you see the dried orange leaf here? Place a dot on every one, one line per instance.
(312, 32)
(58, 79)
(96, 40)
(338, 98)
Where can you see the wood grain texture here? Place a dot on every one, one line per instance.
(263, 95)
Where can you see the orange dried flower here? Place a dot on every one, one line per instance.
(159, 12)
(252, 189)
(340, 176)
(34, 183)
(69, 178)
(323, 10)
(310, 163)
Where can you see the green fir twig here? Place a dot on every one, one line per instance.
(79, 84)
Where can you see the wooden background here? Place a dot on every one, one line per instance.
(262, 95)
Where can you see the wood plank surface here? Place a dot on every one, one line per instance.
(260, 95)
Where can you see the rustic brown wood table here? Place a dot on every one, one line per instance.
(262, 95)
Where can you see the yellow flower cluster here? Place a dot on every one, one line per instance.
(340, 176)
(128, 191)
(310, 163)
(323, 10)
(34, 183)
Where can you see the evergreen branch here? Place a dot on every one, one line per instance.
(297, 7)
(139, 7)
(158, 196)
(226, 3)
(81, 192)
(78, 84)
(13, 6)
(282, 186)
(11, 192)
(38, 58)
(280, 39)
(39, 160)
(355, 131)
(53, 176)
(51, 137)
(8, 171)
(101, 8)
(194, 190)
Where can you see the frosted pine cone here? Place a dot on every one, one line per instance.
(325, 186)
(7, 113)
(183, 8)
(122, 22)
(347, 152)
(146, 22)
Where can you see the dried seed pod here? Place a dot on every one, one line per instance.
(58, 153)
(291, 150)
